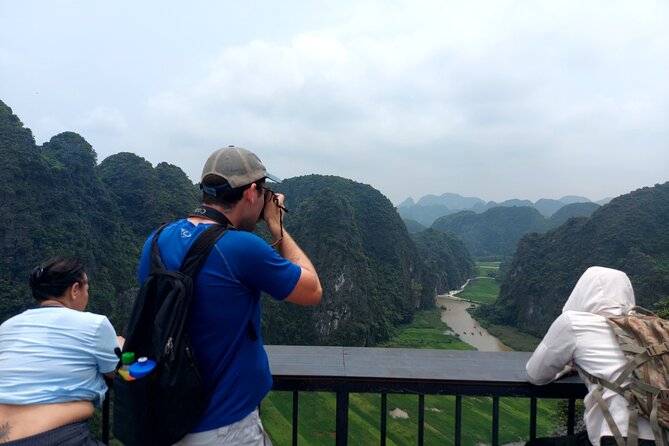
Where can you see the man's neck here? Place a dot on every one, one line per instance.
(200, 215)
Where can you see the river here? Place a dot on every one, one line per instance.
(454, 313)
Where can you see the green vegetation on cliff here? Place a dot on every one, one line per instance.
(372, 273)
(631, 233)
(144, 195)
(494, 234)
(52, 203)
(55, 199)
(447, 256)
(496, 231)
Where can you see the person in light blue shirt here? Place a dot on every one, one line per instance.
(52, 360)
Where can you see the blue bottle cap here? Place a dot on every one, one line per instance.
(142, 367)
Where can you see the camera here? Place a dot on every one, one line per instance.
(266, 192)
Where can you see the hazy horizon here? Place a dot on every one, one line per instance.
(594, 200)
(395, 202)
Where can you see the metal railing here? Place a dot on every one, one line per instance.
(347, 370)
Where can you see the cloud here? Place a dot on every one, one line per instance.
(101, 119)
(495, 98)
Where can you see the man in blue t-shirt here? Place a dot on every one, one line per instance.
(225, 311)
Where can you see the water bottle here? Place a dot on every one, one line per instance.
(127, 359)
(142, 367)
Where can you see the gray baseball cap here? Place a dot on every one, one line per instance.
(237, 166)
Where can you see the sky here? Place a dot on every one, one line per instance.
(495, 99)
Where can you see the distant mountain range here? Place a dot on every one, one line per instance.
(631, 233)
(430, 207)
(495, 232)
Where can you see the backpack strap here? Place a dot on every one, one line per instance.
(156, 261)
(636, 354)
(597, 394)
(142, 308)
(659, 433)
(641, 310)
(199, 251)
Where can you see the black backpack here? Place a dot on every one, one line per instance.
(161, 408)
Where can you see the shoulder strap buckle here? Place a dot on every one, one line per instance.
(657, 349)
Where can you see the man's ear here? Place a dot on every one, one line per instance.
(253, 192)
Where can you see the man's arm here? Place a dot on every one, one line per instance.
(554, 354)
(308, 289)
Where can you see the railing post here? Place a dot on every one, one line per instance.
(295, 408)
(384, 419)
(458, 420)
(533, 418)
(495, 421)
(421, 419)
(105, 418)
(342, 418)
(571, 416)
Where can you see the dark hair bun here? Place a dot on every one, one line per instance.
(53, 277)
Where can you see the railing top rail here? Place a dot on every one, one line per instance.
(398, 363)
(425, 371)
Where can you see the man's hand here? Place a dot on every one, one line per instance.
(568, 369)
(273, 212)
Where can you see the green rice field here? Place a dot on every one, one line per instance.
(317, 411)
(483, 290)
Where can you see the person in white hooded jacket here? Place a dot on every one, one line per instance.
(581, 336)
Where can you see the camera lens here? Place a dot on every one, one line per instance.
(264, 197)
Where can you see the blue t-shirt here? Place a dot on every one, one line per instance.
(55, 355)
(226, 297)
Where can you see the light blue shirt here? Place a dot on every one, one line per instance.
(55, 355)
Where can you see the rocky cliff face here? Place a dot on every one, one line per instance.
(365, 258)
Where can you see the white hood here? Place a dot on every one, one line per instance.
(601, 290)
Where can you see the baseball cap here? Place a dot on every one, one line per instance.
(237, 166)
